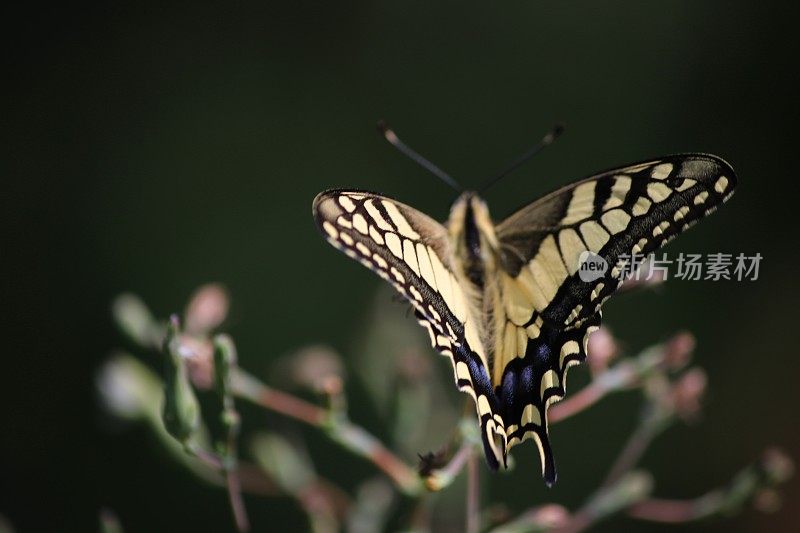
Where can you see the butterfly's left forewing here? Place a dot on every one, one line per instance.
(411, 251)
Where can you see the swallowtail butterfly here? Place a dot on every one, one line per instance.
(504, 301)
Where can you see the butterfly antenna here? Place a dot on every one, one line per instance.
(395, 141)
(546, 141)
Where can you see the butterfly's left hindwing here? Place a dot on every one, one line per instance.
(412, 252)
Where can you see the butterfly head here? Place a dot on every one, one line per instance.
(467, 212)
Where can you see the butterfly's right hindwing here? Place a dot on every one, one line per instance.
(412, 252)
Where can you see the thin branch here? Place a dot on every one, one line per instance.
(759, 478)
(580, 401)
(665, 511)
(622, 376)
(473, 493)
(361, 442)
(633, 450)
(420, 519)
(658, 413)
(225, 360)
(230, 465)
(608, 500)
(234, 487)
(253, 479)
(250, 388)
(443, 477)
(547, 517)
(287, 461)
(335, 424)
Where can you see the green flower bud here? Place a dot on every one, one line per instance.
(224, 361)
(135, 320)
(181, 411)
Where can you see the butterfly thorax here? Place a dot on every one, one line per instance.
(466, 239)
(472, 237)
(475, 249)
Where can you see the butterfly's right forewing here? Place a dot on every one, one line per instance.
(548, 306)
(412, 252)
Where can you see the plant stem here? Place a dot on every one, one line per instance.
(443, 477)
(759, 477)
(225, 361)
(336, 425)
(631, 488)
(250, 388)
(362, 443)
(473, 493)
(631, 453)
(622, 376)
(665, 511)
(235, 497)
(582, 400)
(252, 479)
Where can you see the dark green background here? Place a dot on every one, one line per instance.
(156, 149)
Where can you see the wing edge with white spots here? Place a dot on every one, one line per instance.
(411, 251)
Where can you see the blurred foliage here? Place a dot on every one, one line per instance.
(416, 407)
